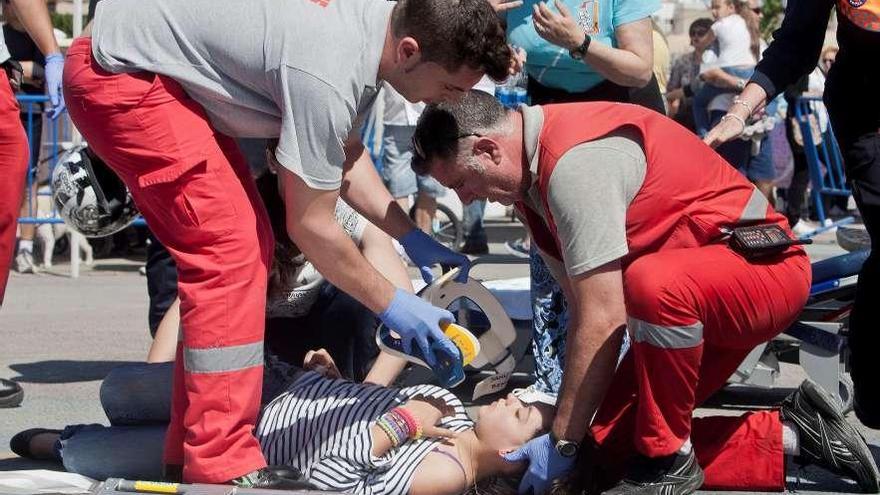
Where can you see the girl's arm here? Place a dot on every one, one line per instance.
(378, 250)
(427, 411)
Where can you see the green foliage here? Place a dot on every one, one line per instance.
(773, 12)
(64, 22)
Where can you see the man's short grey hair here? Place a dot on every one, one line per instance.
(442, 125)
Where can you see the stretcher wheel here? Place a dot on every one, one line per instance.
(447, 228)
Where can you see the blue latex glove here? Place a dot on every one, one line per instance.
(54, 71)
(413, 318)
(426, 252)
(545, 464)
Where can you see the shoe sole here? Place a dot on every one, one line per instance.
(13, 400)
(828, 406)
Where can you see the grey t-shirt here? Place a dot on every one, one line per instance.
(298, 70)
(590, 190)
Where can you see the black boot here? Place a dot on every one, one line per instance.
(826, 439)
(11, 393)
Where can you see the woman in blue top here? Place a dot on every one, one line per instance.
(576, 50)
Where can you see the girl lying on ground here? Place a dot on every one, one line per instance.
(342, 436)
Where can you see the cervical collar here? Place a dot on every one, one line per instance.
(495, 342)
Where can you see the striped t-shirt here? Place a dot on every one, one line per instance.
(322, 428)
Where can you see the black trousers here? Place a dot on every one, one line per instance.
(648, 96)
(862, 160)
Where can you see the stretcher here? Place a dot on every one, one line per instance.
(819, 334)
(116, 486)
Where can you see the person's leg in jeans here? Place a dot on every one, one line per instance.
(137, 401)
(397, 175)
(862, 160)
(702, 98)
(194, 188)
(475, 239)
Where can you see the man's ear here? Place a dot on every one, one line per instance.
(487, 146)
(408, 53)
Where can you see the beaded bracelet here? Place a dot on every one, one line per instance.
(413, 424)
(395, 434)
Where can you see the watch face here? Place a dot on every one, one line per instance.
(567, 449)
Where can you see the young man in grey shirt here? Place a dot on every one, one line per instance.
(160, 88)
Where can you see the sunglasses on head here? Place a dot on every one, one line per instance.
(420, 152)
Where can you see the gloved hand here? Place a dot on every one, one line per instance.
(426, 252)
(545, 464)
(54, 71)
(413, 318)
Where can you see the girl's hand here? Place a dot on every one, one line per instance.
(429, 411)
(559, 29)
(321, 362)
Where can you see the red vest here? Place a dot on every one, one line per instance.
(689, 193)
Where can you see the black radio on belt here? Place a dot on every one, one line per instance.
(757, 241)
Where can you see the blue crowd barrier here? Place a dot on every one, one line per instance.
(831, 181)
(57, 137)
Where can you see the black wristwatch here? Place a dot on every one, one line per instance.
(581, 51)
(565, 448)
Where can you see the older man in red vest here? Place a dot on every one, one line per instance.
(632, 214)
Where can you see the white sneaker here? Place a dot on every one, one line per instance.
(804, 227)
(24, 262)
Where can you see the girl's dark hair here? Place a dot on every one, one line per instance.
(284, 263)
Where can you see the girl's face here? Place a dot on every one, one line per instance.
(722, 8)
(508, 423)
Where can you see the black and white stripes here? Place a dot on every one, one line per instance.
(322, 427)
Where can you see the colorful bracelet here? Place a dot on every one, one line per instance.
(395, 435)
(413, 424)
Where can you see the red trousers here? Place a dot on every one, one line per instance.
(13, 170)
(694, 314)
(194, 189)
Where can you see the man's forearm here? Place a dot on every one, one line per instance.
(35, 18)
(364, 191)
(590, 360)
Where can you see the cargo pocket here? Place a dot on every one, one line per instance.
(190, 195)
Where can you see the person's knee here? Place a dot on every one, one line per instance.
(652, 290)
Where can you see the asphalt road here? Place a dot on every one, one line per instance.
(60, 337)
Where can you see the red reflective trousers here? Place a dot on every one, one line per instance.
(13, 168)
(194, 189)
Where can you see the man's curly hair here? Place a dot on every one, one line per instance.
(455, 33)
